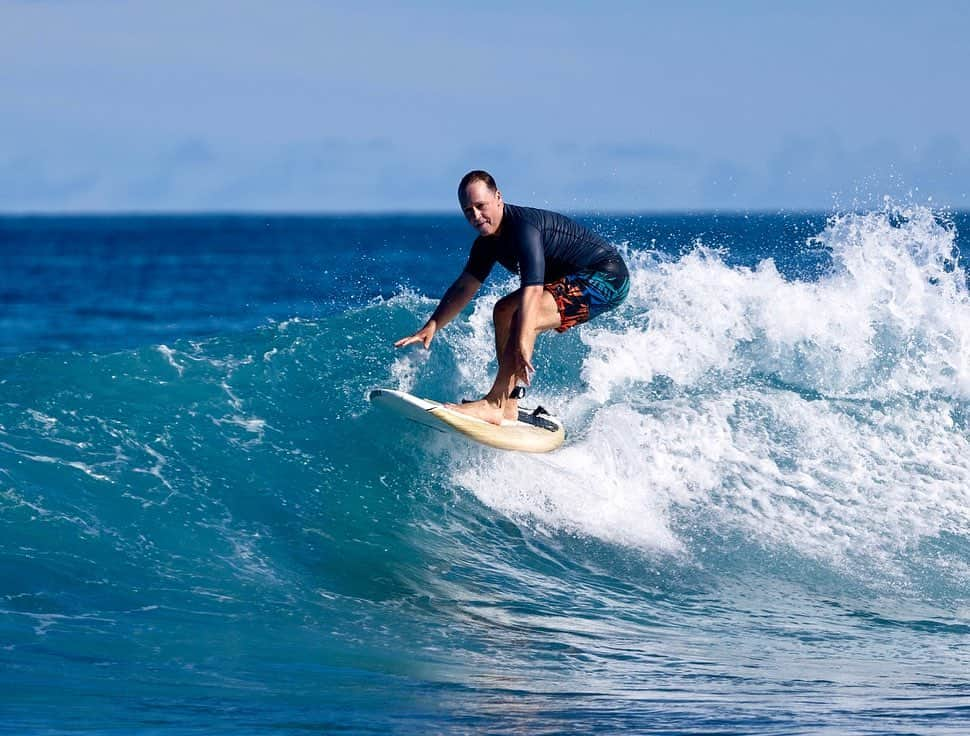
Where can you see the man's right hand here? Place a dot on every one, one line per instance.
(424, 335)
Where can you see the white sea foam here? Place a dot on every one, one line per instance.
(160, 462)
(474, 346)
(48, 422)
(820, 416)
(76, 464)
(563, 491)
(169, 356)
(406, 368)
(892, 317)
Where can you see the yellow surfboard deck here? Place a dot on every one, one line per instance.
(533, 432)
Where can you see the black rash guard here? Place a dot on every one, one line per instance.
(541, 247)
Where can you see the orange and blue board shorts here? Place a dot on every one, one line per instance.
(585, 294)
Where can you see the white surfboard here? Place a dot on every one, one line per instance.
(535, 430)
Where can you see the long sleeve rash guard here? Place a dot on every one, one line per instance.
(539, 245)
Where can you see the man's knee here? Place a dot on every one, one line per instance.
(505, 308)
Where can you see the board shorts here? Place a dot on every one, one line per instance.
(585, 294)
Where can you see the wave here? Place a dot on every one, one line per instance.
(731, 408)
(723, 419)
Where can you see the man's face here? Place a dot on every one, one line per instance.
(482, 207)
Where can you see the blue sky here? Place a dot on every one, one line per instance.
(580, 106)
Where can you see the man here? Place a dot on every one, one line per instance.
(568, 276)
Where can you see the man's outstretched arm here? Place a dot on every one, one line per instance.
(456, 298)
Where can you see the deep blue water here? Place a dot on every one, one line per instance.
(759, 524)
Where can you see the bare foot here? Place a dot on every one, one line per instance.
(486, 410)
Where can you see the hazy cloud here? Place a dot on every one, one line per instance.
(339, 175)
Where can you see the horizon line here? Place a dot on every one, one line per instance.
(50, 214)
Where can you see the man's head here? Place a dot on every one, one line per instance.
(481, 201)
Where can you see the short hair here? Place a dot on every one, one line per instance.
(476, 175)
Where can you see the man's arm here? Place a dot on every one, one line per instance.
(456, 298)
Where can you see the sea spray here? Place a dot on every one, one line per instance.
(821, 417)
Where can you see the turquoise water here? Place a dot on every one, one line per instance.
(760, 521)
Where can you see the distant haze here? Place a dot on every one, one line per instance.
(306, 106)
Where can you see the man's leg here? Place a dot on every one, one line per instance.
(503, 317)
(497, 405)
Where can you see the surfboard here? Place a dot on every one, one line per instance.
(534, 431)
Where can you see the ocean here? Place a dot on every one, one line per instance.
(759, 522)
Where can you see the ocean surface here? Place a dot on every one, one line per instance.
(759, 523)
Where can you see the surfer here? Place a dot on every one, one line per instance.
(568, 276)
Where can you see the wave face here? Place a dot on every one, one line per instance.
(761, 515)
